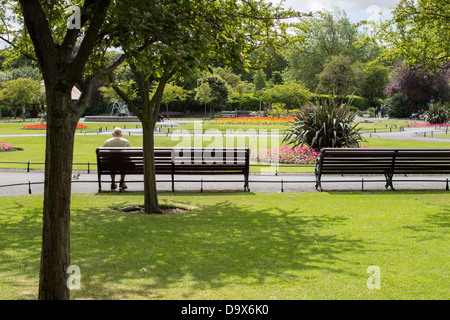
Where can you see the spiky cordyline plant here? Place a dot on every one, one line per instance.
(438, 114)
(324, 125)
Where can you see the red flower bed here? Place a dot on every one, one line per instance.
(254, 120)
(43, 126)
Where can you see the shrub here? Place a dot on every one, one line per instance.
(438, 114)
(324, 125)
(398, 106)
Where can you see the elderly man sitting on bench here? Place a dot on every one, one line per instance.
(117, 141)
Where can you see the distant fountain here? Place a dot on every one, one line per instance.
(119, 109)
(117, 112)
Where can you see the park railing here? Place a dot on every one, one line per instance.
(280, 182)
(89, 166)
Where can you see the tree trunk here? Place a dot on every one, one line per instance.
(13, 112)
(150, 191)
(55, 254)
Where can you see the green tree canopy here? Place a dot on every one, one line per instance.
(292, 94)
(20, 93)
(418, 34)
(338, 76)
(327, 35)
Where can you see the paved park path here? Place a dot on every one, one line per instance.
(21, 182)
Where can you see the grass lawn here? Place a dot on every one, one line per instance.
(240, 246)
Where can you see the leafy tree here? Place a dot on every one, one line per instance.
(291, 94)
(20, 93)
(277, 78)
(338, 77)
(226, 74)
(419, 86)
(259, 84)
(418, 34)
(204, 94)
(110, 95)
(259, 81)
(219, 91)
(375, 78)
(27, 72)
(172, 93)
(326, 35)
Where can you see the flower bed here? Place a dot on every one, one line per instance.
(421, 125)
(289, 155)
(6, 147)
(43, 126)
(286, 154)
(254, 120)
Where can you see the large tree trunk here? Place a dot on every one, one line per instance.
(55, 254)
(150, 191)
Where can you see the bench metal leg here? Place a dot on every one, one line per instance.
(99, 184)
(389, 177)
(318, 182)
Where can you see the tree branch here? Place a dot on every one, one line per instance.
(26, 55)
(128, 101)
(40, 33)
(72, 34)
(76, 67)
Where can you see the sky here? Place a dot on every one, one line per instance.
(356, 10)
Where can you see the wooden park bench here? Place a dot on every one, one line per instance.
(175, 161)
(382, 161)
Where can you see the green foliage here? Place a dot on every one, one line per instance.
(219, 89)
(338, 76)
(292, 94)
(277, 78)
(438, 113)
(323, 125)
(25, 71)
(358, 102)
(398, 106)
(418, 33)
(259, 81)
(375, 79)
(326, 35)
(110, 95)
(21, 91)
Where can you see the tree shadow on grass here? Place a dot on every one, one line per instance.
(207, 248)
(434, 226)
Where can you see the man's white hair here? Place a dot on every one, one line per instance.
(117, 132)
